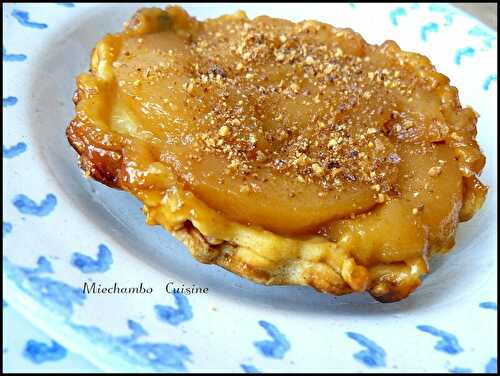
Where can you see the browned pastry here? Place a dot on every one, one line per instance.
(287, 153)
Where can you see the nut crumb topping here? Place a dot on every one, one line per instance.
(304, 100)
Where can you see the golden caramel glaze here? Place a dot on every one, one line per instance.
(287, 153)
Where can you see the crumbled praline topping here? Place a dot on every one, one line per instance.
(348, 95)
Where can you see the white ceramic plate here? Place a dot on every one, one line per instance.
(60, 230)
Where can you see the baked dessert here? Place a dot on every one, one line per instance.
(287, 153)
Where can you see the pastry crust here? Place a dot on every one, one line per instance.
(426, 183)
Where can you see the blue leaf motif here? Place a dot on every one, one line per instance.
(14, 150)
(275, 348)
(248, 368)
(174, 316)
(12, 57)
(87, 264)
(460, 370)
(9, 101)
(136, 328)
(463, 52)
(43, 265)
(39, 352)
(24, 19)
(395, 14)
(488, 81)
(430, 27)
(491, 366)
(373, 356)
(7, 228)
(448, 342)
(488, 305)
(137, 332)
(25, 205)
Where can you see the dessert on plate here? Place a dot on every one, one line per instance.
(287, 153)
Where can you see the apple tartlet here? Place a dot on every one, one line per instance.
(287, 153)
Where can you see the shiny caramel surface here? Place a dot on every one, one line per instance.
(300, 129)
